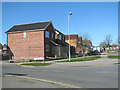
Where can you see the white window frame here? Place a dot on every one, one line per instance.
(60, 36)
(47, 48)
(24, 34)
(47, 34)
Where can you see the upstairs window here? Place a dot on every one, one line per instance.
(24, 34)
(60, 36)
(47, 34)
(52, 35)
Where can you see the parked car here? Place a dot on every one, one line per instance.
(96, 52)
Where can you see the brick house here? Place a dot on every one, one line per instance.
(74, 41)
(35, 41)
(78, 43)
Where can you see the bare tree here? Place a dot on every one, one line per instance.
(118, 41)
(86, 39)
(85, 43)
(103, 44)
(85, 36)
(108, 40)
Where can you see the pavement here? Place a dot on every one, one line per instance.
(103, 61)
(51, 61)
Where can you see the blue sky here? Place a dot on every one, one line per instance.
(96, 18)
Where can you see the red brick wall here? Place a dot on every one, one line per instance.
(24, 48)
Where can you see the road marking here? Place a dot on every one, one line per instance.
(43, 80)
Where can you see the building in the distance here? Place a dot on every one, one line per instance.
(73, 39)
(78, 43)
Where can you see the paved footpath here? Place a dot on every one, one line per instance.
(103, 61)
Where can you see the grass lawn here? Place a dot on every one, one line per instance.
(48, 59)
(82, 59)
(36, 64)
(109, 51)
(114, 57)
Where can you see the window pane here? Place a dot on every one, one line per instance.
(60, 37)
(52, 35)
(47, 34)
(24, 34)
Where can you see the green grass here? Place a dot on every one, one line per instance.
(114, 57)
(82, 59)
(109, 51)
(36, 64)
(48, 59)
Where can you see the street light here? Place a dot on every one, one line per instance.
(69, 33)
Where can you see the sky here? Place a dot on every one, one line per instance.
(98, 19)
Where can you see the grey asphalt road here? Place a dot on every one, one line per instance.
(85, 77)
(15, 82)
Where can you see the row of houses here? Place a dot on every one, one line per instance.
(41, 40)
(78, 43)
(5, 52)
(112, 47)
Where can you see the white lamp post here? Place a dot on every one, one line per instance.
(69, 33)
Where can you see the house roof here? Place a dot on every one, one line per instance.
(58, 32)
(113, 45)
(56, 42)
(29, 26)
(72, 36)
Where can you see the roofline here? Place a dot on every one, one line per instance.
(31, 23)
(26, 31)
(59, 32)
(54, 42)
(47, 25)
(32, 29)
(73, 34)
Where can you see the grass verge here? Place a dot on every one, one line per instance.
(36, 64)
(48, 59)
(82, 59)
(109, 51)
(114, 56)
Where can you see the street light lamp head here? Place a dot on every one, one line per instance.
(70, 13)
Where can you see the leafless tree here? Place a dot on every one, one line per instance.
(86, 41)
(103, 44)
(108, 40)
(118, 41)
(86, 38)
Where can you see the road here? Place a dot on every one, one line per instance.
(84, 77)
